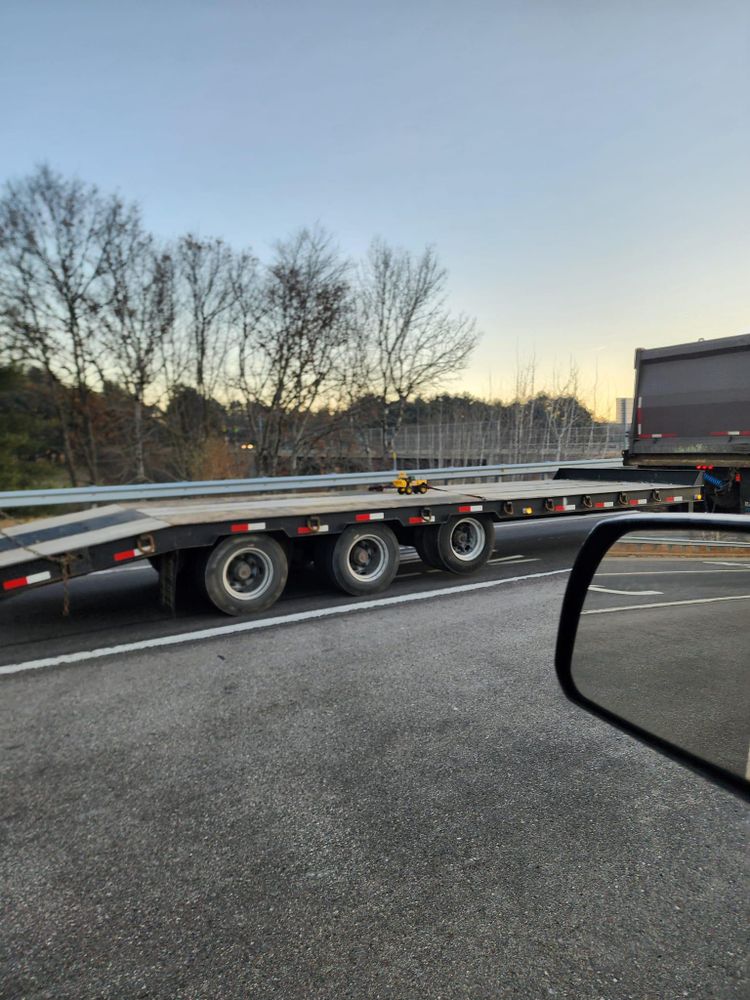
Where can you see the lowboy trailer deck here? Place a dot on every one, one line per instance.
(238, 550)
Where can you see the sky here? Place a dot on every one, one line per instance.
(583, 168)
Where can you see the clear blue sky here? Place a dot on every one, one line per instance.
(583, 167)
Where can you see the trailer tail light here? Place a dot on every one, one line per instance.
(24, 581)
(374, 516)
(250, 526)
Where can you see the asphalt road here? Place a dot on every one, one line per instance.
(391, 802)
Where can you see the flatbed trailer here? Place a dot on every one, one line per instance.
(238, 550)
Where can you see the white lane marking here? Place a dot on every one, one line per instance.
(252, 626)
(662, 604)
(747, 769)
(512, 562)
(668, 572)
(628, 593)
(137, 567)
(718, 562)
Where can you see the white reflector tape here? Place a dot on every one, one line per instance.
(24, 581)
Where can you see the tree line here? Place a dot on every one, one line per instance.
(120, 327)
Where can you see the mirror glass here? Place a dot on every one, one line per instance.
(664, 640)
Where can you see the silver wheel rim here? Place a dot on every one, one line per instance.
(467, 539)
(367, 558)
(247, 574)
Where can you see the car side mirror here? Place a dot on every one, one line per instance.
(654, 637)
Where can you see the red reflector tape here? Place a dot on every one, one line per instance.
(565, 506)
(24, 581)
(604, 503)
(127, 554)
(470, 508)
(674, 499)
(251, 526)
(376, 516)
(305, 530)
(637, 503)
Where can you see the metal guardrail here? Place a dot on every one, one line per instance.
(275, 484)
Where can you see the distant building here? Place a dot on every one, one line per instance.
(624, 412)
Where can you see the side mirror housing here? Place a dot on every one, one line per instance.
(654, 637)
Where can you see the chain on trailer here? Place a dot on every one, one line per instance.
(62, 562)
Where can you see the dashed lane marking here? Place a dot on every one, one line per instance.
(627, 593)
(663, 604)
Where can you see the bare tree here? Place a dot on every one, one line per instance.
(55, 236)
(414, 344)
(137, 320)
(207, 301)
(294, 326)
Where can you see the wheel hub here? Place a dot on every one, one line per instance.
(467, 539)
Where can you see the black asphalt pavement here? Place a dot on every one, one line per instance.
(393, 803)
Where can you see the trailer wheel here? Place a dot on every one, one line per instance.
(464, 544)
(245, 575)
(425, 542)
(361, 560)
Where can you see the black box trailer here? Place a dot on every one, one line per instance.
(692, 409)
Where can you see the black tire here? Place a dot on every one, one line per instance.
(425, 542)
(465, 543)
(243, 575)
(363, 559)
